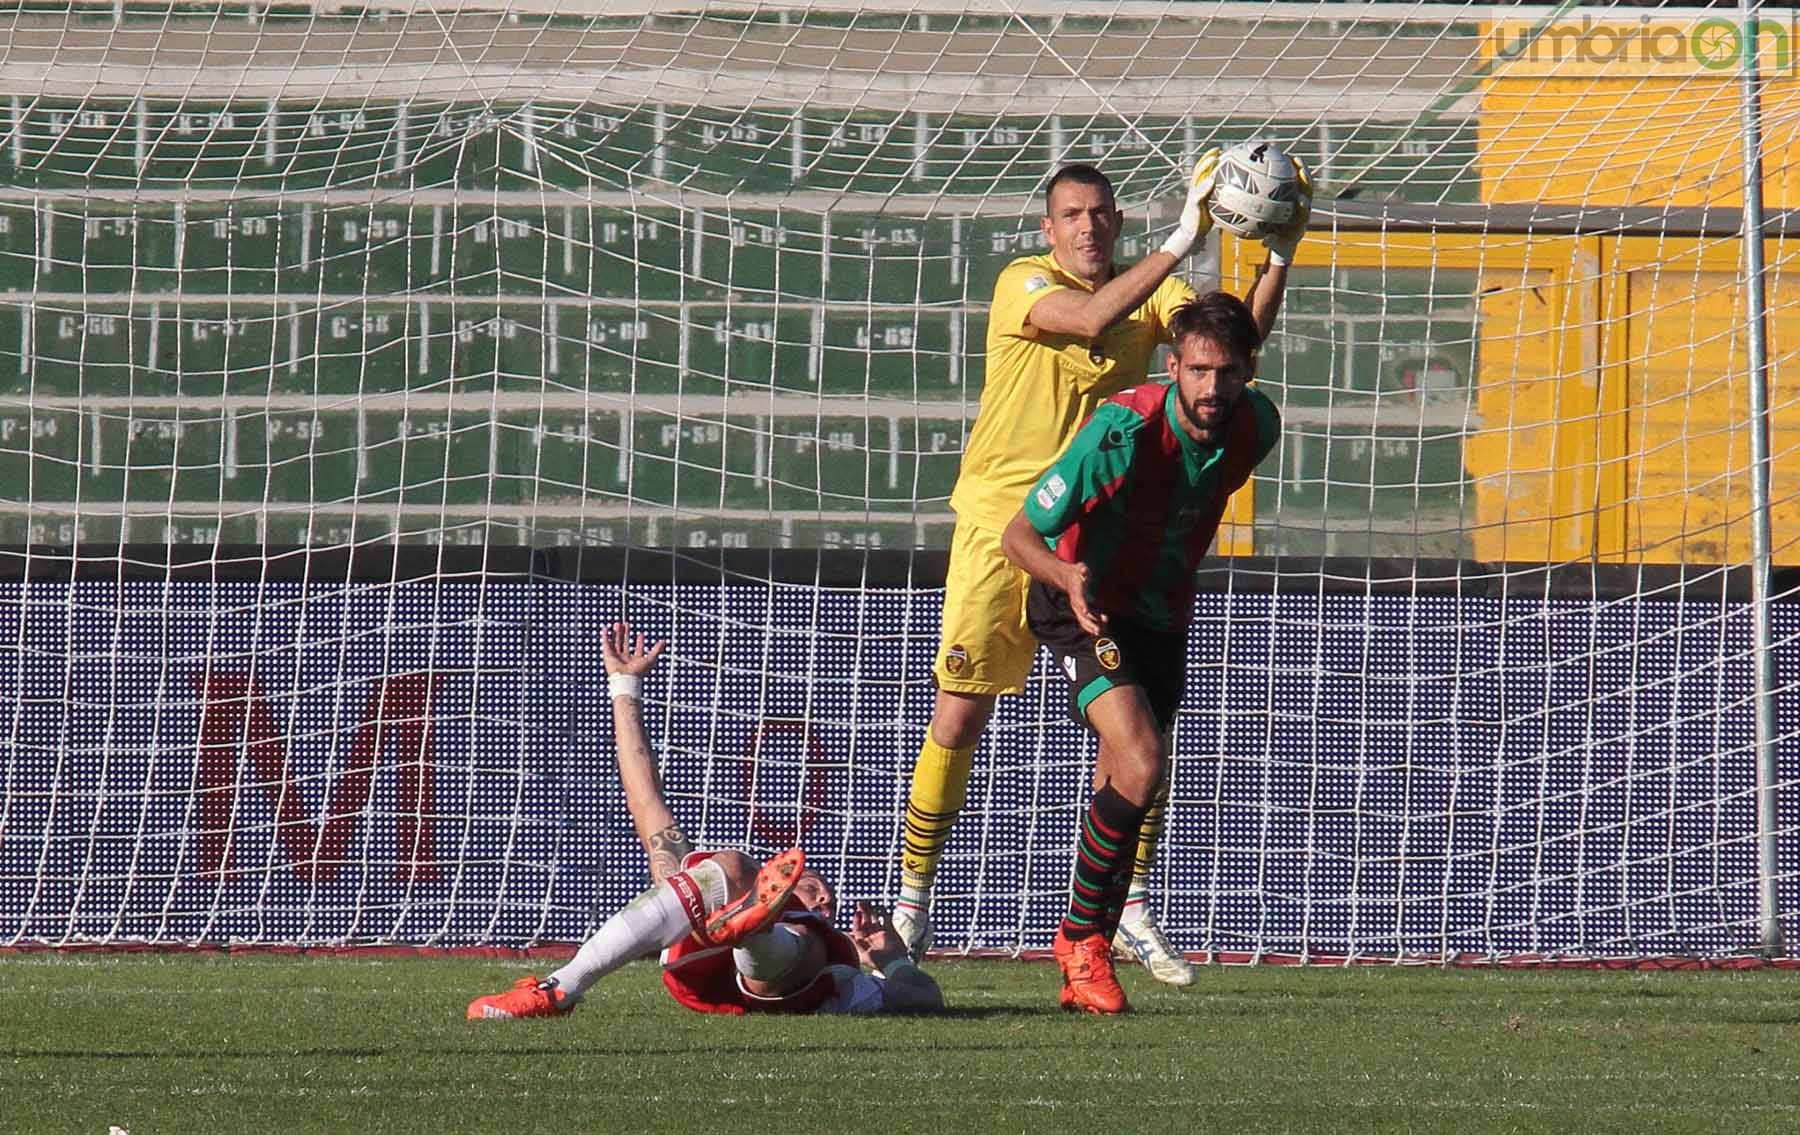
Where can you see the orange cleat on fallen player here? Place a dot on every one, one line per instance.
(1089, 984)
(529, 997)
(761, 905)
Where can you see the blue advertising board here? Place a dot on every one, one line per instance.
(429, 762)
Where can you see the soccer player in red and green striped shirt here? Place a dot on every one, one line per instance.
(1111, 536)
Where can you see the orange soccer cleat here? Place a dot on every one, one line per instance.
(1089, 984)
(529, 997)
(759, 907)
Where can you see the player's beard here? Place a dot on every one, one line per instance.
(1221, 410)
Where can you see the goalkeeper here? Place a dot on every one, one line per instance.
(1111, 535)
(735, 938)
(1066, 330)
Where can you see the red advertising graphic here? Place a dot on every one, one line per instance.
(237, 718)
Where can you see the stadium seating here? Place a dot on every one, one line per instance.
(546, 324)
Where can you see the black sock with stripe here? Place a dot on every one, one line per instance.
(1103, 856)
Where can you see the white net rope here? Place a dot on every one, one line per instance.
(680, 276)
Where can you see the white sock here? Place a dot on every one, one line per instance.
(916, 897)
(657, 918)
(770, 955)
(1137, 904)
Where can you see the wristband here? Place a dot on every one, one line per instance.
(895, 966)
(1280, 260)
(1179, 243)
(625, 686)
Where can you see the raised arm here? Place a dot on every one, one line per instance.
(1265, 295)
(1270, 285)
(628, 659)
(1087, 315)
(1071, 311)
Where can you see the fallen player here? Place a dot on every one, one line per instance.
(736, 937)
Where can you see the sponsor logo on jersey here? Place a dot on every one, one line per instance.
(1069, 667)
(956, 660)
(1106, 652)
(1051, 490)
(1036, 284)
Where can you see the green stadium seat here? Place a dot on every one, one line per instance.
(434, 456)
(240, 248)
(20, 245)
(621, 351)
(107, 249)
(615, 253)
(593, 145)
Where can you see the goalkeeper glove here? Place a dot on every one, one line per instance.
(1196, 218)
(1282, 243)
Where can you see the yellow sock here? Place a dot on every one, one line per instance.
(1148, 837)
(940, 785)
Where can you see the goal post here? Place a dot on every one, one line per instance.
(358, 363)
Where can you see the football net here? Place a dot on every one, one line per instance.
(520, 316)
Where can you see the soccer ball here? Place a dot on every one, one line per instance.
(1255, 190)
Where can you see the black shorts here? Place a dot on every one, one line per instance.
(1125, 654)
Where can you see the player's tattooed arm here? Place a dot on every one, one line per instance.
(664, 841)
(667, 849)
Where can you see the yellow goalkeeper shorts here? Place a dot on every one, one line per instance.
(986, 648)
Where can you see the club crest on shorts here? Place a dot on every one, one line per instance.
(956, 660)
(1106, 652)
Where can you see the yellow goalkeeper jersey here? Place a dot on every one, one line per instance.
(1040, 387)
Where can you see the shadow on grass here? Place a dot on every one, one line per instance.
(757, 1047)
(760, 1048)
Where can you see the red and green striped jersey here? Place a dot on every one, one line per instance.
(1138, 501)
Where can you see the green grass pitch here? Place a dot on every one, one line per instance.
(263, 1043)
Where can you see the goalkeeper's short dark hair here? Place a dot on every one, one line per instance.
(1080, 174)
(1220, 317)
